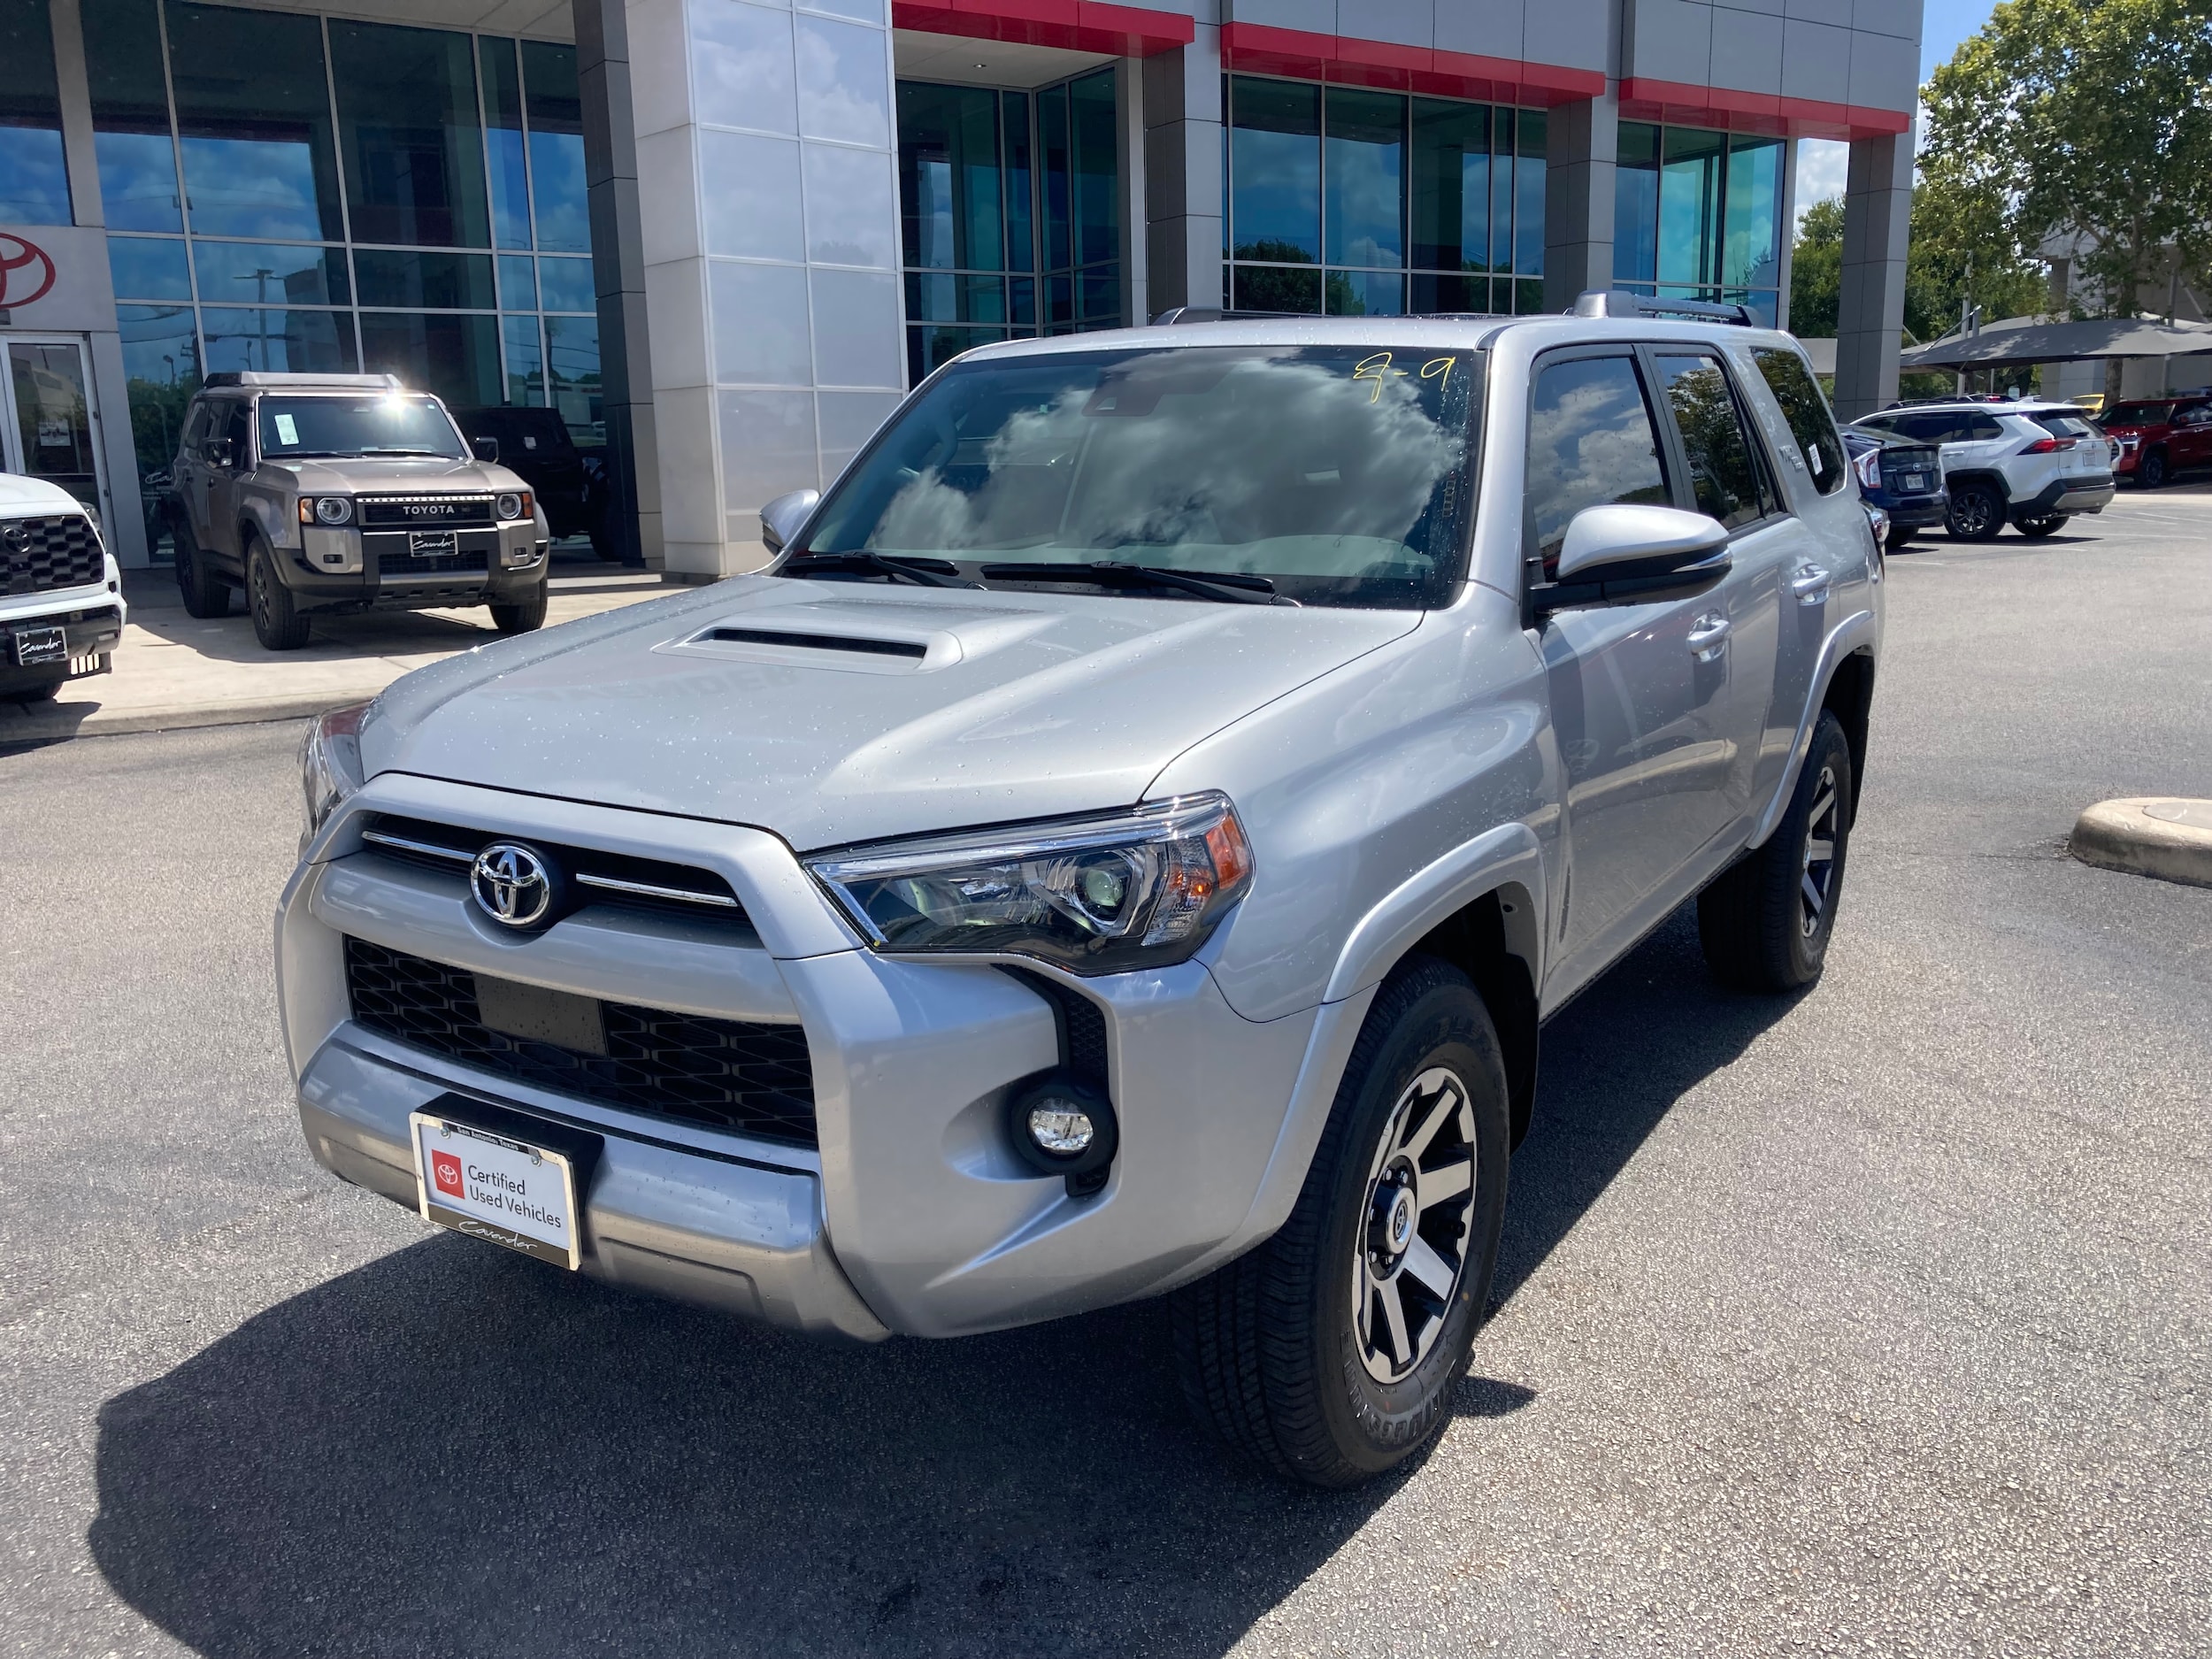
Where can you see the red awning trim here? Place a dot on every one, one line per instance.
(1680, 104)
(1261, 49)
(1082, 25)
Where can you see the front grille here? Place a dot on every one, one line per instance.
(755, 1079)
(421, 512)
(40, 554)
(600, 878)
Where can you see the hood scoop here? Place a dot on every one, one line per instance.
(792, 640)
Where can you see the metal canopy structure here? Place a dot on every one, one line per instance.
(2034, 340)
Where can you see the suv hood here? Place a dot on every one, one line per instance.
(1019, 705)
(394, 474)
(22, 497)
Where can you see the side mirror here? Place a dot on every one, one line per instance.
(486, 449)
(1629, 555)
(221, 453)
(782, 518)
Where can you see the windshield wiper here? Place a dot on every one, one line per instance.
(922, 572)
(1230, 586)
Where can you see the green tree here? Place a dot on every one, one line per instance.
(1816, 270)
(2092, 118)
(1962, 249)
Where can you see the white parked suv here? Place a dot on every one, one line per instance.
(61, 597)
(1127, 844)
(2028, 463)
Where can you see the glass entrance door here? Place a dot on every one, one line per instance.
(49, 423)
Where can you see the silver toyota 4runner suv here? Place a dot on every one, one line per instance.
(987, 914)
(338, 493)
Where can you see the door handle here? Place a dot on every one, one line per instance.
(1709, 636)
(1811, 584)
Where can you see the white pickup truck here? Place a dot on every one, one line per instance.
(61, 597)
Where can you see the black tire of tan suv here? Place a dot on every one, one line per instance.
(1976, 514)
(205, 594)
(277, 621)
(1766, 921)
(2152, 470)
(2040, 525)
(1278, 1355)
(520, 619)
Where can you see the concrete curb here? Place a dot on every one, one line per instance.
(2164, 836)
(48, 723)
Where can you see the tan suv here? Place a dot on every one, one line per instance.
(338, 492)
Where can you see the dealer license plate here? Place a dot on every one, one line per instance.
(488, 1186)
(1915, 480)
(33, 646)
(433, 543)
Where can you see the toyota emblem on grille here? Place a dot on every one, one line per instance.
(17, 537)
(513, 883)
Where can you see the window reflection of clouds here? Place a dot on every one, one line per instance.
(1271, 450)
(1590, 443)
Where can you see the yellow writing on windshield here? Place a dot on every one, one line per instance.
(1379, 367)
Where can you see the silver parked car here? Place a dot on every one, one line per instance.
(337, 493)
(1127, 844)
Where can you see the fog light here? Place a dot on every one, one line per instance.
(1062, 1128)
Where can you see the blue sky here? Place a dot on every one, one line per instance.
(1943, 25)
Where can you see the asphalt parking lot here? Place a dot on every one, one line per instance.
(1876, 1321)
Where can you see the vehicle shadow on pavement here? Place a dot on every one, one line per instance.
(453, 1451)
(1614, 1063)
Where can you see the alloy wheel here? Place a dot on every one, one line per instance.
(1973, 513)
(1410, 1253)
(1817, 882)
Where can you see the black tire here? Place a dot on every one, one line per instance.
(603, 543)
(1761, 929)
(277, 621)
(523, 618)
(1977, 512)
(2152, 470)
(2040, 525)
(1897, 539)
(1272, 1350)
(205, 594)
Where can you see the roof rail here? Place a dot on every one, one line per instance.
(1620, 303)
(272, 378)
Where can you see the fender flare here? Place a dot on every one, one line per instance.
(1507, 855)
(1846, 637)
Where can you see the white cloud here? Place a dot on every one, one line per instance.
(1823, 167)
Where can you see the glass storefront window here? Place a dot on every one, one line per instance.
(232, 271)
(503, 141)
(161, 371)
(285, 342)
(1403, 203)
(130, 116)
(33, 176)
(557, 148)
(150, 268)
(253, 111)
(571, 361)
(408, 129)
(565, 285)
(951, 191)
(517, 282)
(455, 355)
(435, 281)
(526, 360)
(1698, 215)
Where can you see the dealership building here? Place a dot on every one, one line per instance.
(722, 237)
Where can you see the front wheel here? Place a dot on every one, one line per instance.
(2152, 472)
(2040, 525)
(1766, 921)
(1329, 1354)
(277, 622)
(525, 618)
(1977, 513)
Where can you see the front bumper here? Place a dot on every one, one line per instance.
(353, 569)
(911, 1212)
(91, 622)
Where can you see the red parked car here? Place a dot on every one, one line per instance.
(2159, 436)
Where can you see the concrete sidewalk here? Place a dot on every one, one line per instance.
(172, 672)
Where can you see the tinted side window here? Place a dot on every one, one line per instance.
(1981, 426)
(1807, 411)
(237, 426)
(1592, 442)
(1930, 429)
(2063, 425)
(1722, 472)
(195, 427)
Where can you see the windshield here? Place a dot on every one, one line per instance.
(2138, 414)
(371, 424)
(1340, 474)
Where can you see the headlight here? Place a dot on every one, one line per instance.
(509, 505)
(332, 509)
(330, 765)
(1137, 888)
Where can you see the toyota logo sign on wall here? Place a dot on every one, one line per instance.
(26, 271)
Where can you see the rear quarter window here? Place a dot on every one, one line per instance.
(1812, 424)
(2063, 425)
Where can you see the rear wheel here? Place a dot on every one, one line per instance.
(2041, 524)
(205, 594)
(1978, 513)
(277, 621)
(2152, 470)
(520, 619)
(1897, 538)
(1766, 921)
(1329, 1354)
